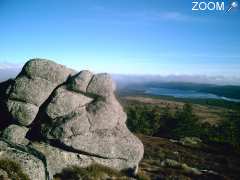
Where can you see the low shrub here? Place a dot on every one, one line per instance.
(154, 121)
(95, 172)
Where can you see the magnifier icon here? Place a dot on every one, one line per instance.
(233, 5)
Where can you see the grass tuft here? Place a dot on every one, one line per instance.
(13, 170)
(94, 172)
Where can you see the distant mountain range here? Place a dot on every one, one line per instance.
(199, 79)
(219, 85)
(138, 84)
(8, 70)
(224, 91)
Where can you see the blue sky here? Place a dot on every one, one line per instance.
(124, 36)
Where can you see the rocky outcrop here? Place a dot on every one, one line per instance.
(33, 86)
(75, 117)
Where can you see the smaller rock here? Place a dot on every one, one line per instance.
(65, 102)
(79, 82)
(30, 164)
(191, 170)
(23, 113)
(173, 140)
(190, 141)
(177, 165)
(77, 124)
(34, 91)
(16, 134)
(206, 171)
(106, 115)
(170, 163)
(101, 85)
(58, 159)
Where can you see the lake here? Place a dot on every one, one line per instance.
(177, 93)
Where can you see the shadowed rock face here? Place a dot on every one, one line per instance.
(79, 120)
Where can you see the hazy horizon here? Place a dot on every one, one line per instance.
(8, 70)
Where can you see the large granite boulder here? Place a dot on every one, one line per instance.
(76, 116)
(33, 86)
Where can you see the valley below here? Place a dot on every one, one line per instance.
(172, 157)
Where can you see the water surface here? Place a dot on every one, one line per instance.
(185, 94)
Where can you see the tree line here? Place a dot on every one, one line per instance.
(155, 121)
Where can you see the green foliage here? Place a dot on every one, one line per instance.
(228, 131)
(13, 170)
(153, 121)
(186, 122)
(143, 119)
(150, 120)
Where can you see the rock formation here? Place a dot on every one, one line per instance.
(55, 117)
